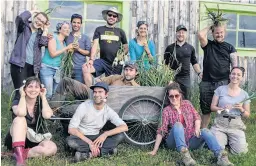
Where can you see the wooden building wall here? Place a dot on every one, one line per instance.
(162, 15)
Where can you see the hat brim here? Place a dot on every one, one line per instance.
(119, 15)
(95, 86)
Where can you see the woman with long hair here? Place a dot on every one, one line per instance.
(184, 132)
(50, 68)
(140, 48)
(32, 34)
(28, 112)
(230, 101)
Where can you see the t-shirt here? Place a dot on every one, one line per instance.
(185, 55)
(217, 61)
(30, 49)
(90, 121)
(85, 44)
(224, 99)
(110, 40)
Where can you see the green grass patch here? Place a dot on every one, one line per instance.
(129, 155)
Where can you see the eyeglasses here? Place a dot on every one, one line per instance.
(174, 96)
(112, 15)
(39, 20)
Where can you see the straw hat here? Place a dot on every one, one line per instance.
(114, 10)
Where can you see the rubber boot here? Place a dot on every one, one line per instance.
(19, 156)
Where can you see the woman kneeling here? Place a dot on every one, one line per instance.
(185, 131)
(29, 111)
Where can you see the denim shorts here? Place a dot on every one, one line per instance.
(206, 93)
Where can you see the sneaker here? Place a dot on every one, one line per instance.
(223, 159)
(186, 157)
(80, 156)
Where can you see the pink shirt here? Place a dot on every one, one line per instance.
(170, 116)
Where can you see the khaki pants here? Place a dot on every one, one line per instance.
(230, 132)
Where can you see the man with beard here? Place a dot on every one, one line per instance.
(178, 56)
(109, 38)
(81, 50)
(90, 117)
(218, 57)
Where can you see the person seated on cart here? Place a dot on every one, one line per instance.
(80, 91)
(86, 137)
(184, 132)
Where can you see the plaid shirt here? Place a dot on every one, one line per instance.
(170, 116)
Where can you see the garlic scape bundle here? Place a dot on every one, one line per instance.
(120, 57)
(67, 62)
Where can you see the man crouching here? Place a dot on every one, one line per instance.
(90, 117)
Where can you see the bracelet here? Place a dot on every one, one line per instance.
(199, 73)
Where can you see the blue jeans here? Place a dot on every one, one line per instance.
(78, 75)
(176, 139)
(47, 78)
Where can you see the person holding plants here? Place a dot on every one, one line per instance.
(25, 58)
(184, 132)
(232, 103)
(51, 61)
(82, 48)
(25, 136)
(178, 56)
(141, 49)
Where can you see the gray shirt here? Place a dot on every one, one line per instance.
(85, 44)
(224, 99)
(30, 49)
(90, 121)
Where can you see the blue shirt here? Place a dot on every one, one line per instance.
(136, 51)
(56, 61)
(30, 49)
(85, 44)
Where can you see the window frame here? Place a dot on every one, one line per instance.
(232, 8)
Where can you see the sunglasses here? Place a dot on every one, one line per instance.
(76, 16)
(141, 23)
(112, 15)
(174, 96)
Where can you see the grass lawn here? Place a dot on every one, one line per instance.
(130, 155)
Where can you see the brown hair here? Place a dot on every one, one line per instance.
(172, 86)
(44, 14)
(32, 79)
(240, 68)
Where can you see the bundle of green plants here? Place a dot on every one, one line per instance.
(155, 75)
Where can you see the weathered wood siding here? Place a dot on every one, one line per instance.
(163, 16)
(10, 9)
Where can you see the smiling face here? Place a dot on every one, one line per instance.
(112, 18)
(143, 30)
(181, 35)
(64, 30)
(76, 24)
(98, 95)
(174, 97)
(32, 90)
(236, 76)
(218, 34)
(129, 73)
(39, 21)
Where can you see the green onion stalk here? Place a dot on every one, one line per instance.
(120, 57)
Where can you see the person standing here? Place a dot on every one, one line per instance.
(219, 56)
(81, 49)
(178, 56)
(109, 38)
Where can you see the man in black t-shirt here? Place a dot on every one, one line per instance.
(218, 57)
(109, 38)
(178, 56)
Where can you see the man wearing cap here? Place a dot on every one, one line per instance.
(109, 38)
(179, 55)
(86, 137)
(82, 49)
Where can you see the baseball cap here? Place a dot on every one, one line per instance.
(131, 65)
(100, 85)
(180, 27)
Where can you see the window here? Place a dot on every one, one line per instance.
(90, 10)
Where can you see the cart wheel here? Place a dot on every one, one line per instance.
(141, 115)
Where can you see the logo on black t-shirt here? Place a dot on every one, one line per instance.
(109, 36)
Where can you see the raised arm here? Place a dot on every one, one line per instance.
(21, 109)
(202, 36)
(46, 109)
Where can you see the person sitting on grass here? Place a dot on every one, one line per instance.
(228, 126)
(27, 112)
(86, 137)
(185, 132)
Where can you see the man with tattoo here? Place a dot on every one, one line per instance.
(219, 56)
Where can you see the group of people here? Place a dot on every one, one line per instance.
(181, 124)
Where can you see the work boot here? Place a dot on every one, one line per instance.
(80, 156)
(186, 158)
(223, 159)
(19, 156)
